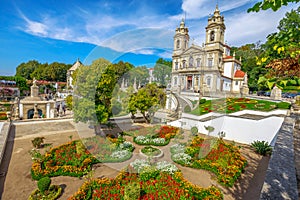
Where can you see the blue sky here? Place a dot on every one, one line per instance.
(137, 31)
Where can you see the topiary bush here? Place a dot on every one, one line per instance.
(194, 130)
(202, 101)
(37, 142)
(44, 184)
(262, 147)
(187, 109)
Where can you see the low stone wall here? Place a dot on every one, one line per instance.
(3, 138)
(280, 181)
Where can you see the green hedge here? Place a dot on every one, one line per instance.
(283, 105)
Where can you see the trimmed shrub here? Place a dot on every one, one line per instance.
(194, 130)
(44, 184)
(187, 109)
(202, 101)
(283, 105)
(37, 142)
(262, 147)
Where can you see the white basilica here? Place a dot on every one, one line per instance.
(207, 69)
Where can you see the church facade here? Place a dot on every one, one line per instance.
(208, 68)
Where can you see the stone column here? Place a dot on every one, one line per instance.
(21, 110)
(48, 110)
(60, 112)
(16, 107)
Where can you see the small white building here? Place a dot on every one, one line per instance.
(70, 72)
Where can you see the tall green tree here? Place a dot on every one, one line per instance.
(147, 100)
(162, 71)
(26, 69)
(86, 82)
(94, 86)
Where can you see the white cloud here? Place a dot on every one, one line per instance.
(133, 40)
(138, 33)
(194, 9)
(166, 54)
(34, 27)
(144, 51)
(246, 28)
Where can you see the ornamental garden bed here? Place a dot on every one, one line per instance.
(74, 159)
(156, 135)
(230, 105)
(151, 183)
(223, 159)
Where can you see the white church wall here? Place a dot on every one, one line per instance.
(227, 69)
(236, 86)
(226, 85)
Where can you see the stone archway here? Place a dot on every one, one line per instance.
(30, 113)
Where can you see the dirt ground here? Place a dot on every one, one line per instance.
(16, 182)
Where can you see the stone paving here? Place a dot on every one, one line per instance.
(280, 181)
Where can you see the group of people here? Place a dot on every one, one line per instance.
(63, 107)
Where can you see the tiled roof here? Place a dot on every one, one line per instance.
(228, 57)
(239, 74)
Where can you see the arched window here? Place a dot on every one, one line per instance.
(212, 36)
(175, 80)
(178, 44)
(183, 64)
(208, 81)
(198, 62)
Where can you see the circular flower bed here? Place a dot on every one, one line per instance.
(151, 151)
(53, 193)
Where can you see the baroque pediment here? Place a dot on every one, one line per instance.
(192, 50)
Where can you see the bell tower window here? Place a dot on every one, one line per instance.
(212, 36)
(210, 62)
(178, 44)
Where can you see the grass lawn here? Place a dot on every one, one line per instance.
(230, 105)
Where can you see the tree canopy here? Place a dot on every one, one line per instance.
(50, 72)
(94, 86)
(147, 100)
(282, 49)
(162, 71)
(270, 4)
